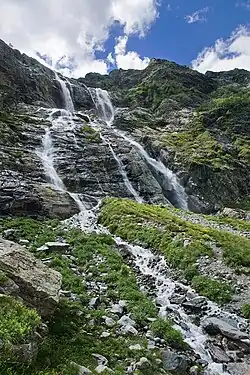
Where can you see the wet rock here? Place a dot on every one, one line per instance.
(196, 304)
(83, 117)
(177, 363)
(218, 354)
(214, 326)
(238, 368)
(38, 284)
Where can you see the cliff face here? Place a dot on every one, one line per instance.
(196, 125)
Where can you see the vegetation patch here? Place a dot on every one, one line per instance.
(182, 242)
(17, 321)
(214, 290)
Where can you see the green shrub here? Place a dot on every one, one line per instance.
(164, 329)
(16, 320)
(217, 291)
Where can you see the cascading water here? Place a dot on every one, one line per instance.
(107, 112)
(69, 106)
(155, 267)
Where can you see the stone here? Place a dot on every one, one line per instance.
(194, 370)
(109, 322)
(101, 368)
(218, 354)
(101, 359)
(39, 285)
(105, 334)
(25, 353)
(135, 347)
(215, 326)
(9, 288)
(177, 363)
(81, 369)
(55, 246)
(126, 320)
(116, 309)
(195, 304)
(143, 364)
(24, 242)
(94, 302)
(128, 329)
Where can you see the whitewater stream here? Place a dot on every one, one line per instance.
(146, 262)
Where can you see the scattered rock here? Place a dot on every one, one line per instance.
(135, 347)
(54, 246)
(101, 368)
(109, 322)
(94, 302)
(143, 364)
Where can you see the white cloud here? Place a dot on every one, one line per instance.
(226, 54)
(198, 16)
(72, 30)
(128, 60)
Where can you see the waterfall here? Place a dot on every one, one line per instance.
(47, 155)
(104, 106)
(107, 112)
(69, 106)
(123, 172)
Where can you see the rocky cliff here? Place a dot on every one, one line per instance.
(148, 156)
(196, 125)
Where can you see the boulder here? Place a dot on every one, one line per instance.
(39, 285)
(174, 362)
(215, 326)
(218, 354)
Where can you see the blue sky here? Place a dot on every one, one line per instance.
(98, 35)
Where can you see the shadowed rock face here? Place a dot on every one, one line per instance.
(38, 285)
(209, 152)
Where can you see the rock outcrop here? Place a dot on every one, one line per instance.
(38, 285)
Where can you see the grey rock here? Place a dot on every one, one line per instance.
(38, 284)
(116, 309)
(126, 320)
(81, 369)
(101, 368)
(218, 354)
(57, 246)
(135, 347)
(215, 326)
(109, 322)
(128, 329)
(143, 364)
(9, 288)
(195, 304)
(177, 363)
(101, 359)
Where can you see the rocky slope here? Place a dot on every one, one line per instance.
(170, 295)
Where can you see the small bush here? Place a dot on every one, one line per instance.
(245, 309)
(217, 291)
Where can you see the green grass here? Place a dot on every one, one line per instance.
(37, 232)
(160, 229)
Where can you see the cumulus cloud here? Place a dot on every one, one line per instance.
(198, 16)
(128, 60)
(226, 54)
(71, 31)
